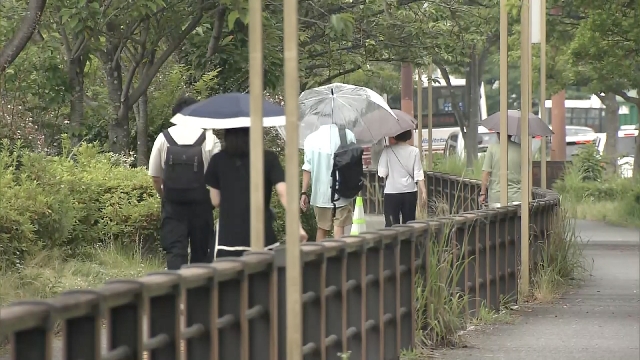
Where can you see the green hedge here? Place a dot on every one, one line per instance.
(585, 185)
(71, 205)
(307, 218)
(77, 201)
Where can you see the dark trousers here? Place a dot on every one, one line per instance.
(184, 225)
(400, 205)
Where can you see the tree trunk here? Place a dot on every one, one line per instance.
(75, 72)
(142, 129)
(119, 114)
(459, 115)
(10, 51)
(471, 143)
(611, 125)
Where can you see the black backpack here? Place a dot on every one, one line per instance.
(347, 172)
(183, 177)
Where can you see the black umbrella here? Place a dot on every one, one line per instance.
(537, 127)
(227, 111)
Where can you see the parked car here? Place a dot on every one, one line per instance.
(625, 149)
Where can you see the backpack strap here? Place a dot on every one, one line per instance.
(172, 142)
(201, 139)
(343, 135)
(334, 176)
(334, 197)
(169, 138)
(334, 184)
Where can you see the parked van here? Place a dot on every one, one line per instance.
(455, 142)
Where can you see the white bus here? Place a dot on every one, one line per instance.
(590, 113)
(444, 121)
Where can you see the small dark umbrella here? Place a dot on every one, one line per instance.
(537, 127)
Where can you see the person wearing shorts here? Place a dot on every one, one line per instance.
(326, 222)
(319, 148)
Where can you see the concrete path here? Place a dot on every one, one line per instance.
(599, 233)
(600, 320)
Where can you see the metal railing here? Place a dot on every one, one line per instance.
(456, 194)
(358, 294)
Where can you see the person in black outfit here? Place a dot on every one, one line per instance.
(177, 165)
(228, 179)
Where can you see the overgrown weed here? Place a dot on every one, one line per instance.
(562, 262)
(454, 165)
(487, 316)
(440, 306)
(591, 194)
(48, 273)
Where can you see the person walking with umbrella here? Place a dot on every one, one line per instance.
(490, 188)
(228, 176)
(401, 167)
(336, 120)
(333, 211)
(177, 165)
(229, 184)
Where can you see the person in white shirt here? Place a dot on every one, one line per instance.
(319, 150)
(401, 167)
(177, 165)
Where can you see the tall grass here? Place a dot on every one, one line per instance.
(440, 307)
(457, 166)
(612, 199)
(47, 274)
(562, 262)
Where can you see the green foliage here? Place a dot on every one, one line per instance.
(72, 205)
(34, 93)
(588, 164)
(612, 25)
(274, 142)
(380, 77)
(561, 261)
(47, 273)
(454, 165)
(614, 199)
(440, 310)
(80, 200)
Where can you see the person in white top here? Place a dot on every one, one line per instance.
(401, 167)
(177, 165)
(319, 150)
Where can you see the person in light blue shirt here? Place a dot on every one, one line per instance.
(319, 148)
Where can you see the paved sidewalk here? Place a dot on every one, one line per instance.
(600, 320)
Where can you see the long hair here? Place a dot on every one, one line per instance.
(236, 142)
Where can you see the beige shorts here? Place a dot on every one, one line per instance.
(497, 205)
(344, 216)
